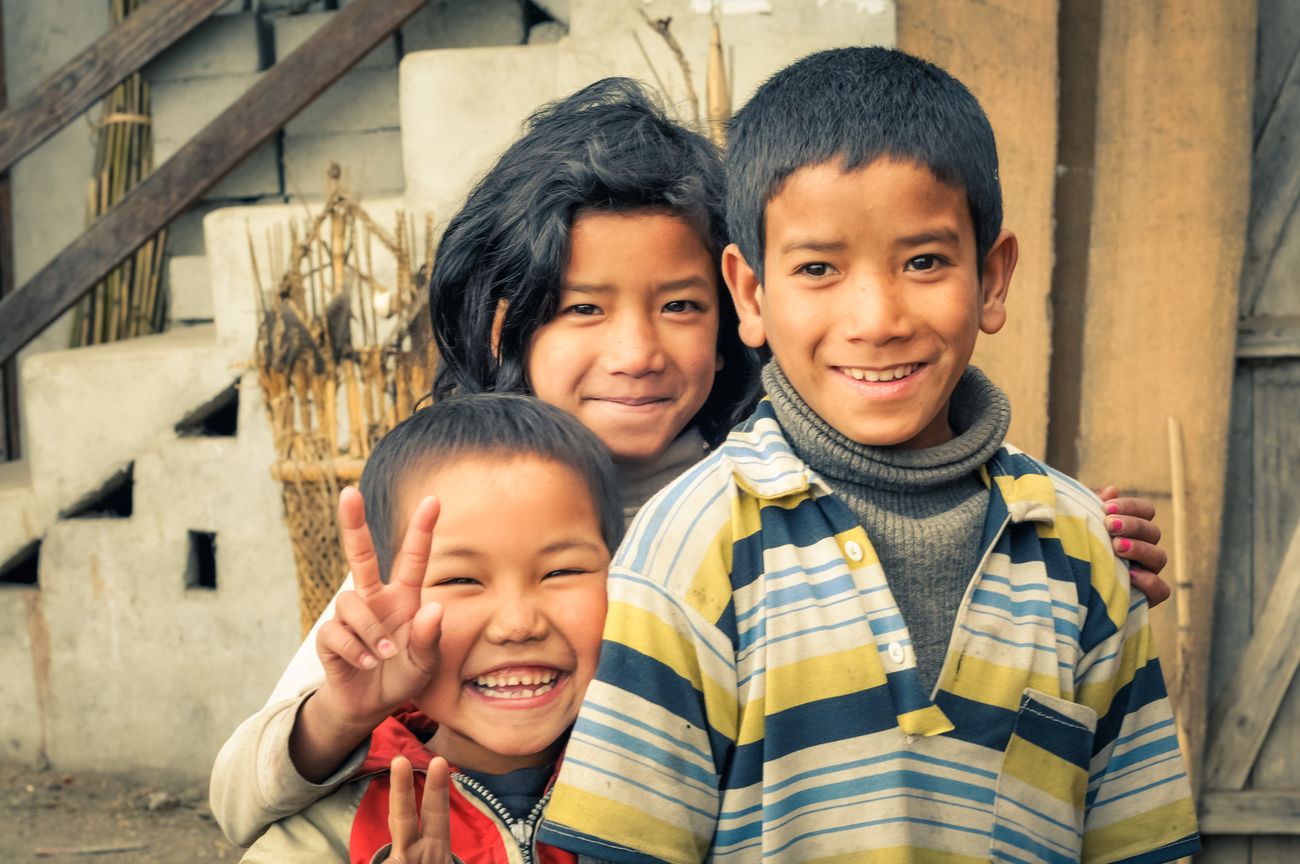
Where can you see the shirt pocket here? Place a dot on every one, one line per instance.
(1043, 783)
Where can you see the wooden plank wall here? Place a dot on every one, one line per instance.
(1263, 489)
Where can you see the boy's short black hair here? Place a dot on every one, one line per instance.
(478, 424)
(608, 147)
(857, 105)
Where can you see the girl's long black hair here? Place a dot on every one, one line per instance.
(607, 147)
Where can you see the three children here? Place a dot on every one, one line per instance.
(762, 688)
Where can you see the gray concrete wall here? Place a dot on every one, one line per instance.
(111, 662)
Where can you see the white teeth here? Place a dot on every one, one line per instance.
(522, 693)
(891, 374)
(515, 679)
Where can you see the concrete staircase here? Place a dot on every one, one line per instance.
(147, 595)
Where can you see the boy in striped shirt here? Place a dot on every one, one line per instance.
(865, 629)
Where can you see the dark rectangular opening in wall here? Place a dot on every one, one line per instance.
(216, 418)
(115, 499)
(21, 569)
(201, 570)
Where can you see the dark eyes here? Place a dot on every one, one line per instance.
(583, 309)
(456, 580)
(571, 571)
(922, 263)
(816, 269)
(682, 306)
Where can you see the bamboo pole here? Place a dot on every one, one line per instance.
(1182, 590)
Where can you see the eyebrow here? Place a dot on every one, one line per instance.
(813, 246)
(936, 235)
(568, 544)
(562, 545)
(662, 288)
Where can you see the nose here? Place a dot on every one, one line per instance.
(877, 310)
(634, 346)
(517, 618)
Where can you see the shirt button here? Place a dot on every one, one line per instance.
(896, 652)
(853, 550)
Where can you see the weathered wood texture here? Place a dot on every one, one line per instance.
(276, 97)
(1263, 491)
(91, 74)
(1251, 812)
(1245, 707)
(1169, 184)
(1006, 54)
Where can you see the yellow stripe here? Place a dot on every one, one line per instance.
(753, 722)
(1081, 543)
(646, 632)
(1034, 488)
(992, 684)
(900, 855)
(1097, 694)
(710, 589)
(1045, 771)
(925, 721)
(596, 816)
(1149, 830)
(823, 677)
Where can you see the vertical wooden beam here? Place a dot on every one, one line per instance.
(1170, 184)
(10, 445)
(1006, 54)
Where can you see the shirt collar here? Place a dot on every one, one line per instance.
(765, 466)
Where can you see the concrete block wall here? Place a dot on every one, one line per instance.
(112, 631)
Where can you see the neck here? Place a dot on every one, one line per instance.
(978, 416)
(469, 755)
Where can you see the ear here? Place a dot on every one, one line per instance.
(498, 321)
(995, 280)
(746, 294)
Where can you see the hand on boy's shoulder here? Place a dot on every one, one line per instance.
(381, 648)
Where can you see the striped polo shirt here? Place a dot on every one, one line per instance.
(757, 695)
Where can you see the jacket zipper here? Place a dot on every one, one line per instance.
(522, 830)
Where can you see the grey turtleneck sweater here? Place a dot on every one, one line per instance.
(922, 509)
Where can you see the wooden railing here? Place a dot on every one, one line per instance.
(278, 95)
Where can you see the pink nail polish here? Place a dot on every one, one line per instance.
(1116, 525)
(1112, 508)
(368, 661)
(1125, 545)
(385, 648)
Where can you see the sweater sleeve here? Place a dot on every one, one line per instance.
(254, 782)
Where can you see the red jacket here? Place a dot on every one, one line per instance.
(481, 828)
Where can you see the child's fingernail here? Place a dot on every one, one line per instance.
(1112, 508)
(1125, 545)
(368, 661)
(1116, 525)
(385, 647)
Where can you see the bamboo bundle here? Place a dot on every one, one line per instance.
(341, 358)
(127, 302)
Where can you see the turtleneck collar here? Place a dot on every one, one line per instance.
(978, 412)
(639, 481)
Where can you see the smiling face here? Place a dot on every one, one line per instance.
(632, 350)
(873, 296)
(518, 563)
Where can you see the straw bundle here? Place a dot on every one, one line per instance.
(127, 302)
(341, 359)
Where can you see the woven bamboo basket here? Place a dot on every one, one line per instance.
(341, 358)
